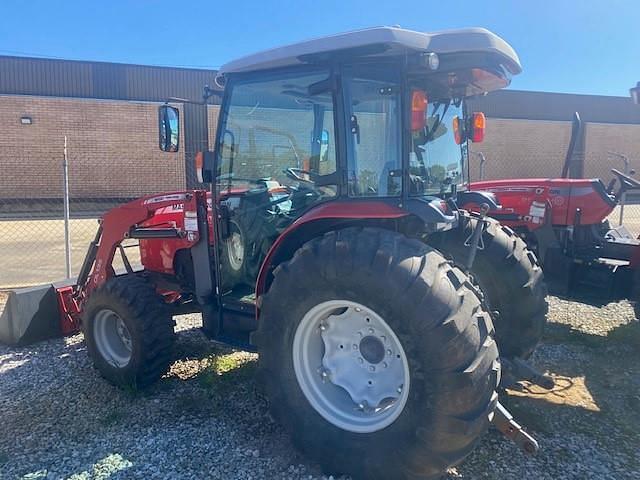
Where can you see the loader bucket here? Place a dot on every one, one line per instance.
(33, 314)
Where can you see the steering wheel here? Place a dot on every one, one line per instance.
(297, 174)
(626, 182)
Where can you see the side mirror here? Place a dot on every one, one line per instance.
(168, 128)
(324, 146)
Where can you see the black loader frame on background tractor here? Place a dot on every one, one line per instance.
(334, 242)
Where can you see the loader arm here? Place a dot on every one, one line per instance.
(124, 223)
(51, 310)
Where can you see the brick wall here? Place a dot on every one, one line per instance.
(112, 149)
(521, 148)
(535, 148)
(602, 138)
(212, 120)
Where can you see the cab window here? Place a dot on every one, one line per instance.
(372, 99)
(277, 131)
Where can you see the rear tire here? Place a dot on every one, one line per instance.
(435, 314)
(511, 279)
(634, 297)
(129, 332)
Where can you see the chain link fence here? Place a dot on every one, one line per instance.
(37, 239)
(112, 157)
(33, 237)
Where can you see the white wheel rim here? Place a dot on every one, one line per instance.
(235, 251)
(112, 337)
(351, 366)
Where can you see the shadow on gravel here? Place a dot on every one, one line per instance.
(208, 403)
(588, 296)
(624, 334)
(596, 398)
(16, 362)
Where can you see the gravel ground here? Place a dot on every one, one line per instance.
(206, 420)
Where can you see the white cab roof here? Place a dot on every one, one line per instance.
(393, 40)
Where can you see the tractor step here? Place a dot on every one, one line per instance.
(504, 422)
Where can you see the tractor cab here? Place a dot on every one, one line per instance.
(369, 124)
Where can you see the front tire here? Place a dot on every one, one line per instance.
(233, 257)
(425, 311)
(129, 332)
(511, 279)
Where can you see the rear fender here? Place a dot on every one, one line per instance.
(472, 197)
(317, 221)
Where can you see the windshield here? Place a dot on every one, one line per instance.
(279, 136)
(436, 161)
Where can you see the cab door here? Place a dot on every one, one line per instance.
(276, 160)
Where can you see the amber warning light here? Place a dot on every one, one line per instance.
(478, 123)
(419, 103)
(474, 130)
(204, 164)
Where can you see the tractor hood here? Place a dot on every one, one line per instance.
(468, 48)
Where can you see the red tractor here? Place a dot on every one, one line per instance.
(564, 220)
(333, 242)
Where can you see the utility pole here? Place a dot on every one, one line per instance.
(67, 237)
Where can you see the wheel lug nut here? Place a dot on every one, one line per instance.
(372, 368)
(323, 327)
(355, 346)
(358, 309)
(383, 338)
(399, 390)
(371, 330)
(385, 365)
(389, 352)
(360, 360)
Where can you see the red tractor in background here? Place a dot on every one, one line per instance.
(334, 242)
(564, 221)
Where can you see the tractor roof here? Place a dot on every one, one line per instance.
(380, 42)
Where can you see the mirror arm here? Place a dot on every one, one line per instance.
(207, 93)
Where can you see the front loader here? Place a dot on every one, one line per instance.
(333, 241)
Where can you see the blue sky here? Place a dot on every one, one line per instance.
(588, 46)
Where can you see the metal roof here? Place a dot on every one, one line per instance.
(529, 105)
(393, 40)
(85, 79)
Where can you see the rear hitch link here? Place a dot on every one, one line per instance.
(502, 419)
(475, 242)
(504, 422)
(516, 370)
